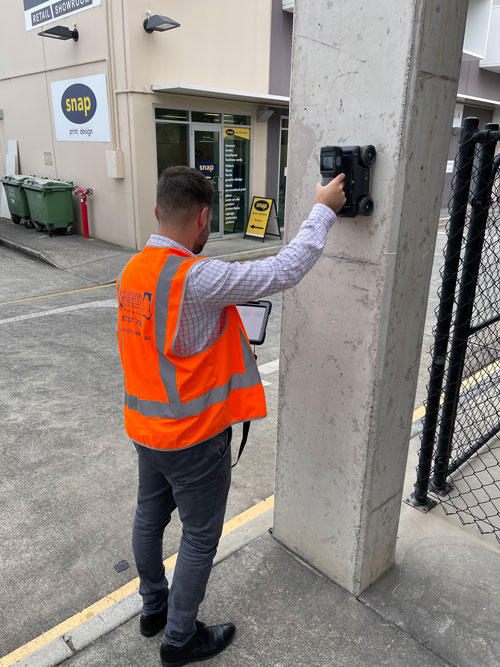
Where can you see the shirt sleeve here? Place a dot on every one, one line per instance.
(214, 283)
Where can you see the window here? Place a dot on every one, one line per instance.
(218, 145)
(171, 114)
(171, 145)
(233, 119)
(205, 117)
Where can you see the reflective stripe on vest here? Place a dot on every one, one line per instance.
(178, 410)
(167, 368)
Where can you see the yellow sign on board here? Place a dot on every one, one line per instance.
(237, 132)
(259, 216)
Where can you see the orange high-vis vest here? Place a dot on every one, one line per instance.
(174, 401)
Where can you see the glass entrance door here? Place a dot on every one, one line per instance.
(207, 158)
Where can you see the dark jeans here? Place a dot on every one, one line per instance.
(196, 480)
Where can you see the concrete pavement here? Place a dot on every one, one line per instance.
(101, 262)
(285, 613)
(439, 605)
(61, 389)
(69, 472)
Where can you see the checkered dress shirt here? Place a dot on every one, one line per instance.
(213, 284)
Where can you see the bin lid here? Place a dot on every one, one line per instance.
(46, 184)
(14, 178)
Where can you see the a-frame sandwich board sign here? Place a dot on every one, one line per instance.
(260, 214)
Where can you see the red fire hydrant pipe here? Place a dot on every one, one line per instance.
(85, 217)
(84, 193)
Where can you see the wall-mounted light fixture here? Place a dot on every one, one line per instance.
(159, 23)
(60, 32)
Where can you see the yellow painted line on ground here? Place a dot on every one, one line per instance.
(248, 515)
(466, 384)
(121, 593)
(46, 296)
(419, 412)
(480, 375)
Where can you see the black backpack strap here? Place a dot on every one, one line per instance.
(246, 429)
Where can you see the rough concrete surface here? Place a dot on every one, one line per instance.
(352, 330)
(445, 592)
(51, 654)
(61, 251)
(121, 612)
(22, 277)
(285, 614)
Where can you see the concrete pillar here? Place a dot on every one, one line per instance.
(385, 73)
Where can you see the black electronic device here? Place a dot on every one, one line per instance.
(254, 315)
(355, 162)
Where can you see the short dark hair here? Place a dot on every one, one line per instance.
(181, 191)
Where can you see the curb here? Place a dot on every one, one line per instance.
(26, 250)
(246, 255)
(74, 641)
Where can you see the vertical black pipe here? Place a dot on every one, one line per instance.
(465, 303)
(465, 159)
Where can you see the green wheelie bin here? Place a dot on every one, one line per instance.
(51, 203)
(16, 197)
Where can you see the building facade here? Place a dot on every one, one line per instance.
(479, 83)
(111, 110)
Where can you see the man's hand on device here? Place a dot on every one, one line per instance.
(332, 195)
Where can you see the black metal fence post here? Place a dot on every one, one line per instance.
(465, 159)
(470, 271)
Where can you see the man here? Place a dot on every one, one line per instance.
(189, 375)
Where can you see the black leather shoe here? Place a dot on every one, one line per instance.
(205, 643)
(152, 624)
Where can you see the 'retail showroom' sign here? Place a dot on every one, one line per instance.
(80, 108)
(40, 12)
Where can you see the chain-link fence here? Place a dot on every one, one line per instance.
(459, 460)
